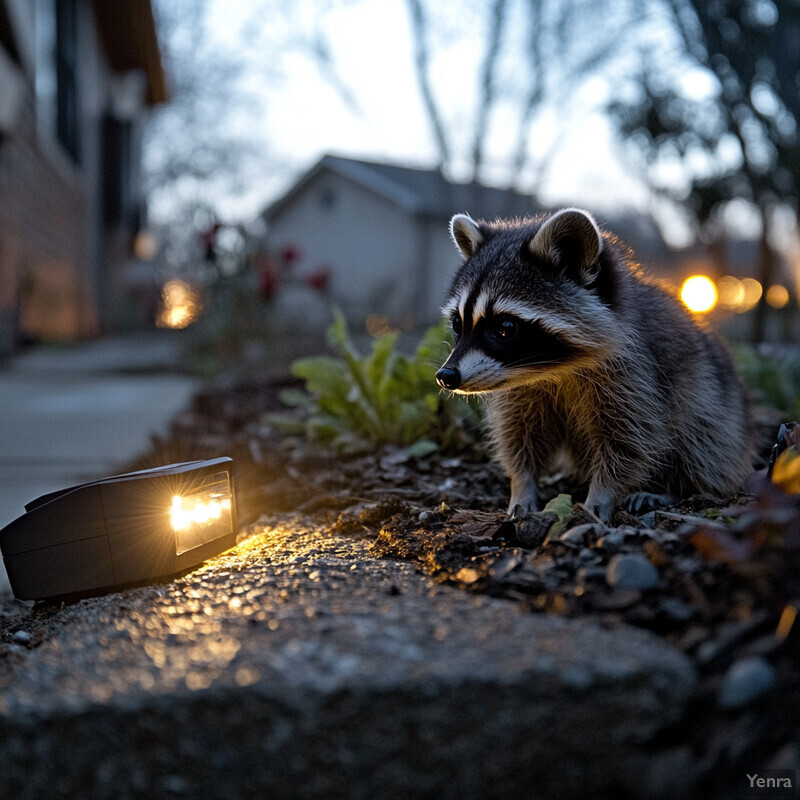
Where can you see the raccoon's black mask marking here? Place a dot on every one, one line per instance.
(511, 341)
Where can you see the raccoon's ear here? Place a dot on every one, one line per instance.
(466, 234)
(572, 240)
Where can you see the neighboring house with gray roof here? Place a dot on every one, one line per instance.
(382, 231)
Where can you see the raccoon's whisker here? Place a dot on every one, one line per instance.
(524, 361)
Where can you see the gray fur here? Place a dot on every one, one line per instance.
(633, 389)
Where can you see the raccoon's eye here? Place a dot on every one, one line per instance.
(507, 329)
(504, 329)
(456, 324)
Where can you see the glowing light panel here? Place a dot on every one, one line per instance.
(201, 514)
(121, 531)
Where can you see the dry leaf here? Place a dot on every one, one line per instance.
(786, 472)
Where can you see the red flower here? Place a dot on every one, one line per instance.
(208, 241)
(290, 254)
(319, 279)
(267, 280)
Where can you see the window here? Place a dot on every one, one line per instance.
(120, 199)
(67, 114)
(57, 101)
(327, 198)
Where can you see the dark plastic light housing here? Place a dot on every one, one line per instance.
(122, 530)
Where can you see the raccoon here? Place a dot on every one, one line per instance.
(581, 356)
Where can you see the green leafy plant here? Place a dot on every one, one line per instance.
(561, 506)
(353, 402)
(774, 381)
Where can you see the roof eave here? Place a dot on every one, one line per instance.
(130, 42)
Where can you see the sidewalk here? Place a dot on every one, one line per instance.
(71, 414)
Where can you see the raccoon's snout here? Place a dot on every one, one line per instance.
(448, 378)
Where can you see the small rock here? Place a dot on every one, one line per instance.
(393, 456)
(746, 680)
(631, 571)
(573, 536)
(708, 651)
(581, 533)
(467, 575)
(22, 637)
(618, 600)
(586, 575)
(532, 530)
(676, 609)
(504, 566)
(175, 784)
(649, 519)
(611, 542)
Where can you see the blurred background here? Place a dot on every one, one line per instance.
(239, 168)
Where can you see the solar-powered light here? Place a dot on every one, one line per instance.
(122, 530)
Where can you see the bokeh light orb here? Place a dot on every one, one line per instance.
(777, 296)
(699, 294)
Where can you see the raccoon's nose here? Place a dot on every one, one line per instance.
(448, 378)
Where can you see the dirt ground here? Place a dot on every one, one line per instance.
(719, 578)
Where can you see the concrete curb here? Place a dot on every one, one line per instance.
(297, 665)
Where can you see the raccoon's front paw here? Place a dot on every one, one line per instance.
(600, 502)
(642, 502)
(520, 510)
(524, 498)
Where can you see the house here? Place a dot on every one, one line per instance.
(77, 78)
(382, 232)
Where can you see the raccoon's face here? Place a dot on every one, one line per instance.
(527, 303)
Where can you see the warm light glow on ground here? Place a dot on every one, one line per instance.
(180, 305)
(699, 294)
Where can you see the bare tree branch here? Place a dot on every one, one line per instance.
(536, 91)
(552, 41)
(487, 96)
(318, 48)
(422, 69)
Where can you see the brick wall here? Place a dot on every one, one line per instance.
(45, 259)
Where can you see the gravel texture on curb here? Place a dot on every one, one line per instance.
(300, 665)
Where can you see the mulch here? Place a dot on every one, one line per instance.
(722, 585)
